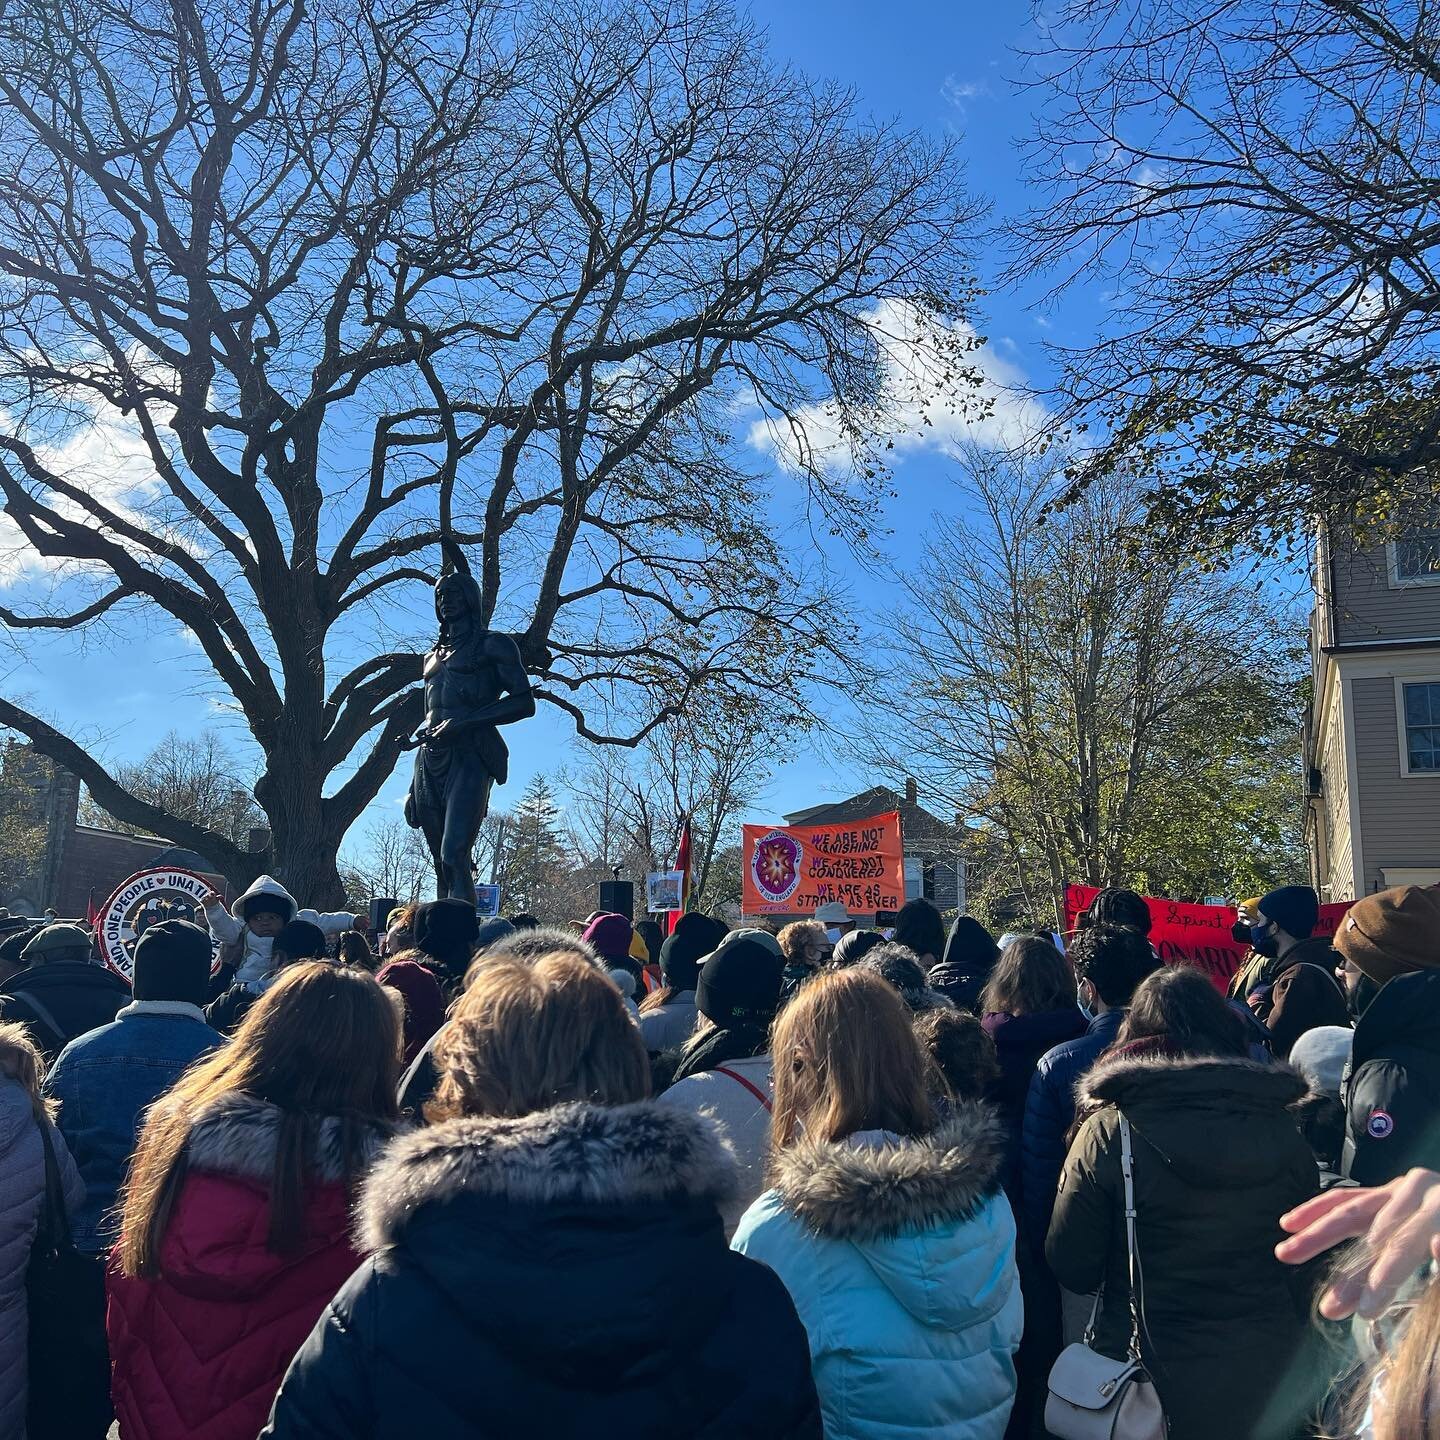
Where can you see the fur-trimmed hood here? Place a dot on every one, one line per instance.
(921, 1222)
(1122, 1079)
(1220, 1124)
(215, 1241)
(864, 1192)
(237, 1135)
(623, 1155)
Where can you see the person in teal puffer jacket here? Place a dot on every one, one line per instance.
(891, 1234)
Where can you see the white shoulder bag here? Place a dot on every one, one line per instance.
(1093, 1397)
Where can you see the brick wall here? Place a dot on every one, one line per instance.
(100, 860)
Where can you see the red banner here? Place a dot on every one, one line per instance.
(793, 870)
(1197, 935)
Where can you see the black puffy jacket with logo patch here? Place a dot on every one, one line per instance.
(1392, 1092)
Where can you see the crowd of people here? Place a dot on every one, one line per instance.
(503, 1178)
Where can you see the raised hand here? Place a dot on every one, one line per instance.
(1399, 1223)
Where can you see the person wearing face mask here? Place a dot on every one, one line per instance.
(1109, 962)
(1294, 988)
(836, 919)
(1247, 975)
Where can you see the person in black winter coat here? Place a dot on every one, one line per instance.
(1029, 1008)
(1295, 988)
(1109, 963)
(557, 1272)
(1392, 1092)
(15, 935)
(63, 992)
(965, 967)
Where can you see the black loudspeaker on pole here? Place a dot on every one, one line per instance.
(617, 897)
(380, 908)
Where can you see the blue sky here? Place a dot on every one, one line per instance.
(936, 67)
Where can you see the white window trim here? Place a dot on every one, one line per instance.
(1401, 681)
(1421, 875)
(1397, 582)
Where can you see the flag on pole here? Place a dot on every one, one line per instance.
(682, 864)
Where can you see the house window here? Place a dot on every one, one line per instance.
(1415, 559)
(1420, 714)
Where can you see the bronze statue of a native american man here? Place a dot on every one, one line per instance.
(475, 681)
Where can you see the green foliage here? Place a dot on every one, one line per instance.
(24, 778)
(1105, 714)
(537, 866)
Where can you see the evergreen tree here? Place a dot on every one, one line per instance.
(536, 859)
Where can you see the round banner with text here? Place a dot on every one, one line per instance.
(142, 900)
(775, 866)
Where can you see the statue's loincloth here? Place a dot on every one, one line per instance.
(439, 769)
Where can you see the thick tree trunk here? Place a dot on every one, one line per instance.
(310, 874)
(303, 850)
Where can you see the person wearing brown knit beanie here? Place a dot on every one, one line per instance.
(1392, 933)
(1392, 1096)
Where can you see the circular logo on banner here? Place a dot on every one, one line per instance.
(125, 915)
(1380, 1125)
(775, 866)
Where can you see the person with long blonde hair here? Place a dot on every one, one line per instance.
(25, 1121)
(548, 1258)
(891, 1233)
(235, 1218)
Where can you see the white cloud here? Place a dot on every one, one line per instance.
(957, 92)
(932, 401)
(1329, 328)
(97, 450)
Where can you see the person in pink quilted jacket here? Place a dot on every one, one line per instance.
(236, 1215)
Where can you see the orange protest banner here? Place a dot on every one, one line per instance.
(793, 870)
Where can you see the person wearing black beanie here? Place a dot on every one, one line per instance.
(299, 940)
(965, 967)
(446, 933)
(725, 1067)
(172, 962)
(1295, 989)
(852, 948)
(103, 1083)
(668, 1017)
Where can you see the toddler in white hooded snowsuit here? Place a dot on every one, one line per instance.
(257, 917)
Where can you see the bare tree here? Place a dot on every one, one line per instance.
(194, 778)
(1107, 716)
(1255, 183)
(324, 272)
(707, 766)
(394, 861)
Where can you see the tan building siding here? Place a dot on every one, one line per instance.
(1368, 608)
(1339, 884)
(1399, 814)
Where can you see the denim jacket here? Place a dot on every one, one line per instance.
(104, 1081)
